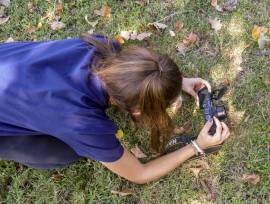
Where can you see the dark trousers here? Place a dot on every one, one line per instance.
(38, 151)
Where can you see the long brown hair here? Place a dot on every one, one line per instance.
(139, 79)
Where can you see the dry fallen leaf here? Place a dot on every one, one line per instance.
(91, 31)
(120, 39)
(137, 152)
(125, 35)
(59, 8)
(10, 39)
(57, 25)
(5, 3)
(178, 25)
(142, 36)
(124, 192)
(191, 39)
(215, 24)
(3, 20)
(251, 178)
(105, 11)
(214, 3)
(158, 26)
(257, 30)
(172, 33)
(263, 41)
(132, 35)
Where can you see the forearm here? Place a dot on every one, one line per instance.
(129, 167)
(163, 165)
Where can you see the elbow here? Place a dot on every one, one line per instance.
(141, 178)
(139, 181)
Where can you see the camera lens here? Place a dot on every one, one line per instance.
(220, 112)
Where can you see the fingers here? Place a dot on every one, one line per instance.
(206, 83)
(218, 126)
(207, 126)
(226, 131)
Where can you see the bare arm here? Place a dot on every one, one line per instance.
(129, 167)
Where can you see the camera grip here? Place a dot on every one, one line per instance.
(212, 130)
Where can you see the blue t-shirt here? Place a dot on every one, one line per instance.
(48, 88)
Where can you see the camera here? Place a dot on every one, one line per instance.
(207, 102)
(209, 108)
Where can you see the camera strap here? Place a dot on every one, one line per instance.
(218, 93)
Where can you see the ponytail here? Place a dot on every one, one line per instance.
(136, 78)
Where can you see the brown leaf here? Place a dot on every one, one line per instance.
(120, 39)
(57, 25)
(3, 20)
(142, 36)
(257, 30)
(137, 152)
(124, 192)
(157, 25)
(251, 178)
(214, 3)
(5, 3)
(191, 39)
(215, 24)
(59, 8)
(105, 11)
(178, 25)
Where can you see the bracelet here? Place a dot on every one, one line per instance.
(197, 147)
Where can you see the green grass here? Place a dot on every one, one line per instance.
(234, 59)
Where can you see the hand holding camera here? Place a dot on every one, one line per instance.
(215, 130)
(206, 140)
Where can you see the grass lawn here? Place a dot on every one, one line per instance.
(230, 55)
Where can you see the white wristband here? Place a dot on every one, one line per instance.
(197, 147)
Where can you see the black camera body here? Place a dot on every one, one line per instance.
(209, 108)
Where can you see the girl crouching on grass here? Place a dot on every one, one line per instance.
(54, 94)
